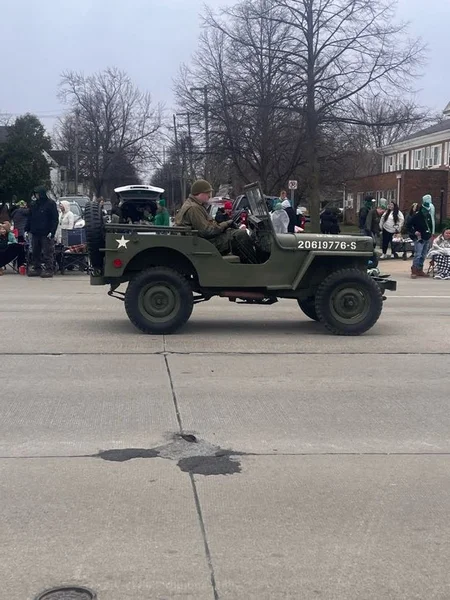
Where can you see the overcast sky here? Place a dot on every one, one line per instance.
(148, 39)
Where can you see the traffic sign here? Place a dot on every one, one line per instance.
(293, 184)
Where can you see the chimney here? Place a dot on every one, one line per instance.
(446, 110)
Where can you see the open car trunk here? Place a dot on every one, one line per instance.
(133, 200)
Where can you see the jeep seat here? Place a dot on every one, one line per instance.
(231, 258)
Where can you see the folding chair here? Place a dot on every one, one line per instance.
(431, 267)
(13, 265)
(74, 239)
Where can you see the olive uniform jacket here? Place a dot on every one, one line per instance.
(193, 214)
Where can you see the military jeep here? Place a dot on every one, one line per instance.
(168, 270)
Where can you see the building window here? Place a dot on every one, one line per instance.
(436, 156)
(419, 158)
(390, 163)
(392, 195)
(404, 161)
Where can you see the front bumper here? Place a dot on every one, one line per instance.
(386, 284)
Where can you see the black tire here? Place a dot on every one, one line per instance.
(307, 305)
(159, 300)
(95, 233)
(349, 302)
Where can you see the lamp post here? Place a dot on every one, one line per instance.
(204, 89)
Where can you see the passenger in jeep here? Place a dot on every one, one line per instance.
(227, 240)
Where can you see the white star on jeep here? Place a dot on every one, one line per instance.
(122, 242)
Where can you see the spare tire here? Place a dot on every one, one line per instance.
(95, 233)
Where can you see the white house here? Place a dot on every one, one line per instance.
(58, 176)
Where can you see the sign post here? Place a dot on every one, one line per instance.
(293, 185)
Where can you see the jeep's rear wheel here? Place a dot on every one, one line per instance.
(349, 302)
(159, 300)
(95, 233)
(308, 306)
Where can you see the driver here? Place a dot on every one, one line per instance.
(194, 214)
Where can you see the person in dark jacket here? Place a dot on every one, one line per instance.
(420, 225)
(329, 221)
(42, 224)
(286, 205)
(20, 219)
(373, 223)
(363, 212)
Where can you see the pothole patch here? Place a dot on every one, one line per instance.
(67, 593)
(118, 455)
(210, 465)
(193, 455)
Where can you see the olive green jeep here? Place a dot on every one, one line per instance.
(168, 270)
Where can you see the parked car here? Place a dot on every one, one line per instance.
(133, 200)
(80, 200)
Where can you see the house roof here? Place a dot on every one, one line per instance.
(60, 156)
(3, 134)
(438, 128)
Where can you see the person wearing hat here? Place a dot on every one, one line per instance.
(193, 214)
(429, 202)
(42, 224)
(420, 229)
(279, 218)
(374, 215)
(363, 212)
(20, 218)
(162, 217)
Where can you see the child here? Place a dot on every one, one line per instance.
(9, 248)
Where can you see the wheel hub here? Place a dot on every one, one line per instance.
(350, 304)
(159, 301)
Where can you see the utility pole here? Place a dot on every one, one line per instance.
(77, 117)
(189, 144)
(191, 161)
(206, 109)
(181, 162)
(204, 89)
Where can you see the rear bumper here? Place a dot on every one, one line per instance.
(98, 280)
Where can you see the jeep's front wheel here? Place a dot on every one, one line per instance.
(349, 302)
(159, 300)
(308, 306)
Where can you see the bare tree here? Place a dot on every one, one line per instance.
(112, 120)
(252, 134)
(336, 53)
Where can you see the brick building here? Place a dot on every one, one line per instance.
(416, 165)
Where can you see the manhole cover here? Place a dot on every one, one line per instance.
(67, 593)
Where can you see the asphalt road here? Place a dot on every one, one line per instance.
(319, 468)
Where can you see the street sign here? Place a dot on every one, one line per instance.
(293, 184)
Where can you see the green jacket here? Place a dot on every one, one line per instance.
(162, 218)
(193, 214)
